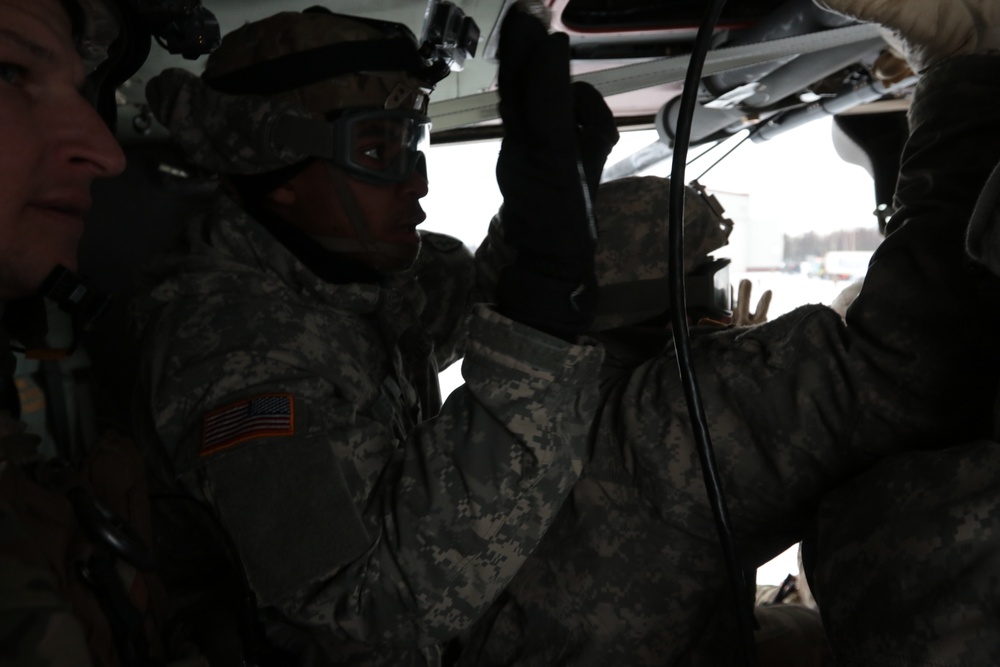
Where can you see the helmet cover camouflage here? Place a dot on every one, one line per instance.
(632, 243)
(632, 216)
(288, 33)
(201, 117)
(228, 134)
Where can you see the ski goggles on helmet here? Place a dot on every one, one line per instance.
(377, 146)
(382, 146)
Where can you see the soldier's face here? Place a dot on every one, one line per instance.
(52, 145)
(390, 211)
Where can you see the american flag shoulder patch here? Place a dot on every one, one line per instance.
(264, 415)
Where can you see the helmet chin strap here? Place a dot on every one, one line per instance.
(384, 256)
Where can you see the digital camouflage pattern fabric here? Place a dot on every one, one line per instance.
(906, 560)
(216, 131)
(915, 538)
(379, 527)
(231, 133)
(631, 571)
(288, 33)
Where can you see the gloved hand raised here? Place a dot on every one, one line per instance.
(742, 317)
(551, 150)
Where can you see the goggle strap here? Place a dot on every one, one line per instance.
(354, 214)
(653, 296)
(639, 296)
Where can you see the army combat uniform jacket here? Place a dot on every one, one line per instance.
(917, 539)
(305, 414)
(631, 572)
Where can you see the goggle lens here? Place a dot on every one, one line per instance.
(383, 146)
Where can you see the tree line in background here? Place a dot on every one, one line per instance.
(811, 244)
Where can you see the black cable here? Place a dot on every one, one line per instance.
(724, 156)
(681, 334)
(753, 131)
(705, 152)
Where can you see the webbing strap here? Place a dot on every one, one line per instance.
(481, 107)
(295, 70)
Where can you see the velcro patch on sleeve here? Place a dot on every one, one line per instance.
(265, 415)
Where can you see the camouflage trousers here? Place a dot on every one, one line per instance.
(907, 570)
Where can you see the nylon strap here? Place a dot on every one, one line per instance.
(635, 297)
(295, 70)
(652, 294)
(353, 210)
(366, 241)
(472, 109)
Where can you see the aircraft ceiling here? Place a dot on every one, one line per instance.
(604, 34)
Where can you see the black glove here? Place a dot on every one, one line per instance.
(541, 172)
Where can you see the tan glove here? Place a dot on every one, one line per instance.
(742, 317)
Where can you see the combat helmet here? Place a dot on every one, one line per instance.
(113, 38)
(323, 62)
(295, 86)
(631, 255)
(273, 92)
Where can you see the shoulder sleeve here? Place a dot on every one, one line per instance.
(247, 416)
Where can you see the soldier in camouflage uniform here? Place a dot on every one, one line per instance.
(54, 145)
(903, 559)
(631, 572)
(291, 348)
(75, 582)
